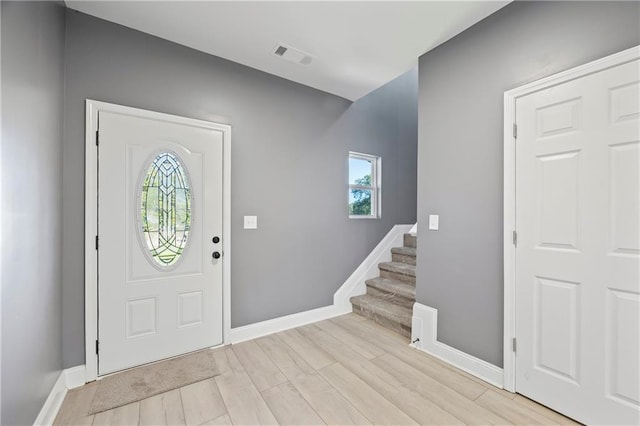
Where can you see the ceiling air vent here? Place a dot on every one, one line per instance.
(292, 54)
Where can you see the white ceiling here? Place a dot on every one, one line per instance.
(357, 46)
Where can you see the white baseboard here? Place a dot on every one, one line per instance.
(263, 328)
(53, 402)
(354, 285)
(68, 379)
(75, 376)
(425, 327)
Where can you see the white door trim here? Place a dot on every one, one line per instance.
(510, 98)
(91, 220)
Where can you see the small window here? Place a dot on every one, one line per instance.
(364, 185)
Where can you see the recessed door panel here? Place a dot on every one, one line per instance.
(557, 322)
(624, 103)
(142, 317)
(625, 198)
(623, 340)
(558, 197)
(562, 117)
(190, 308)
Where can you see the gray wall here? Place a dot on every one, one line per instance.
(32, 101)
(460, 154)
(289, 165)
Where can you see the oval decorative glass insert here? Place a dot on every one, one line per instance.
(165, 206)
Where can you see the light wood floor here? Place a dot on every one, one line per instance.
(346, 370)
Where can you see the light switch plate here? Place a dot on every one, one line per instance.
(434, 222)
(251, 222)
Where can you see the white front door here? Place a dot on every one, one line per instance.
(160, 233)
(578, 253)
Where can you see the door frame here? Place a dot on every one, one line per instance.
(510, 98)
(92, 108)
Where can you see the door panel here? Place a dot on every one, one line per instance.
(159, 206)
(623, 309)
(557, 322)
(578, 254)
(558, 200)
(625, 198)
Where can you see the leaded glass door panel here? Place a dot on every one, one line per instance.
(159, 207)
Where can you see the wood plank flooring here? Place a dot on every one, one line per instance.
(346, 370)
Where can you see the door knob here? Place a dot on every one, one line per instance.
(216, 255)
(216, 240)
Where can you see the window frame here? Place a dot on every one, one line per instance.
(375, 188)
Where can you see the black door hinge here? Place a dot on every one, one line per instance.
(515, 131)
(96, 242)
(97, 347)
(97, 137)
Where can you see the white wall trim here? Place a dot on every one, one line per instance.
(91, 219)
(354, 285)
(424, 326)
(75, 377)
(1, 202)
(510, 224)
(263, 328)
(52, 404)
(90, 231)
(68, 379)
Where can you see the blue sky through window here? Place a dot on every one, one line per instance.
(358, 169)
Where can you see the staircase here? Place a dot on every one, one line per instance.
(390, 297)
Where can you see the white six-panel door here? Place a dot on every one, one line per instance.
(578, 254)
(159, 209)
